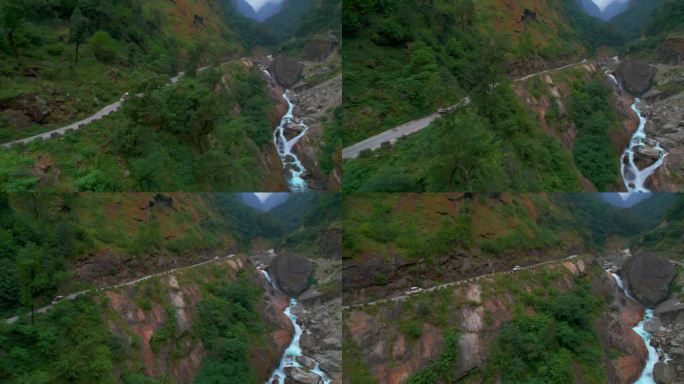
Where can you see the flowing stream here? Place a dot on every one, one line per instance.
(293, 351)
(633, 177)
(290, 161)
(647, 374)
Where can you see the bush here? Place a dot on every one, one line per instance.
(104, 46)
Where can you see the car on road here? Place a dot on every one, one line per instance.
(57, 298)
(517, 268)
(216, 258)
(414, 290)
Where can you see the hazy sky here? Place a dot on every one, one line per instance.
(601, 3)
(262, 196)
(257, 4)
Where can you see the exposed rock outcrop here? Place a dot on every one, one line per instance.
(672, 50)
(649, 278)
(287, 71)
(635, 75)
(319, 49)
(666, 125)
(670, 338)
(292, 273)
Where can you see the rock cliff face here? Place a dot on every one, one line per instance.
(665, 111)
(476, 310)
(635, 75)
(649, 278)
(141, 318)
(668, 335)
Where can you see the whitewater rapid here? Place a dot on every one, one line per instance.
(633, 177)
(290, 161)
(647, 374)
(294, 350)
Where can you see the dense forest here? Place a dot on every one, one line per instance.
(422, 56)
(43, 236)
(561, 223)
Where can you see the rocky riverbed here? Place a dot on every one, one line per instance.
(664, 107)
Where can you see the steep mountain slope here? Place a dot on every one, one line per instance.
(615, 8)
(164, 136)
(667, 237)
(209, 131)
(75, 60)
(635, 19)
(208, 317)
(392, 242)
(398, 70)
(245, 9)
(591, 8)
(510, 288)
(547, 324)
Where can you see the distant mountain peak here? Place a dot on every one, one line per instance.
(604, 9)
(258, 10)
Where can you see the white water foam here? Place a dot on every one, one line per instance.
(284, 146)
(633, 177)
(294, 350)
(647, 374)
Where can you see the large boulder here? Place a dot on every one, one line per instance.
(286, 70)
(664, 373)
(292, 273)
(649, 278)
(296, 375)
(29, 104)
(635, 75)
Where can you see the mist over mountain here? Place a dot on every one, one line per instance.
(605, 10)
(271, 201)
(257, 11)
(624, 200)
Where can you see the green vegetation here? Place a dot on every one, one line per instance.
(667, 20)
(667, 239)
(184, 137)
(230, 326)
(77, 56)
(500, 147)
(595, 119)
(428, 227)
(314, 19)
(354, 368)
(442, 370)
(70, 344)
(543, 347)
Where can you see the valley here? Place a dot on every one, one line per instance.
(574, 293)
(535, 130)
(220, 110)
(185, 301)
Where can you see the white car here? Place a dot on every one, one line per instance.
(57, 298)
(413, 290)
(216, 258)
(517, 268)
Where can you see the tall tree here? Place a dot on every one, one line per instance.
(79, 31)
(32, 276)
(12, 15)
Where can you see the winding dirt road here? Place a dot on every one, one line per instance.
(111, 108)
(459, 282)
(127, 284)
(394, 134)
